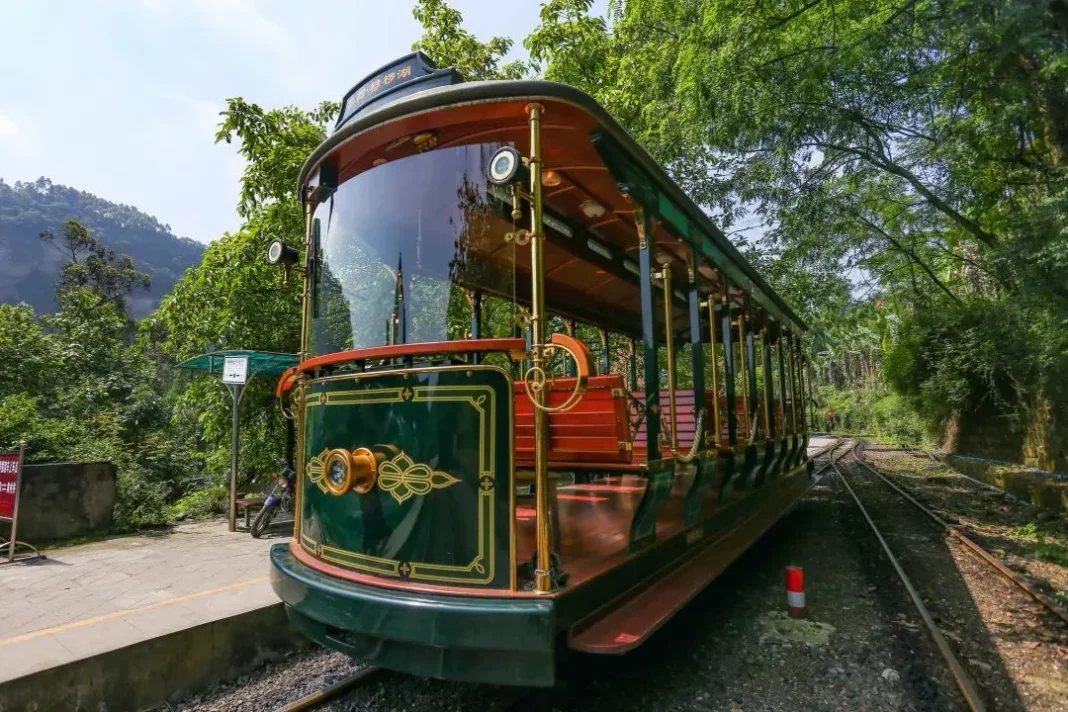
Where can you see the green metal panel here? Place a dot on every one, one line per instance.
(657, 493)
(702, 484)
(440, 511)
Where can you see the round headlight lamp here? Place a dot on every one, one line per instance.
(339, 472)
(345, 471)
(506, 167)
(279, 253)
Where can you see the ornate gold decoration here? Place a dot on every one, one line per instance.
(403, 478)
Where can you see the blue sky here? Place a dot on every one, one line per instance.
(121, 97)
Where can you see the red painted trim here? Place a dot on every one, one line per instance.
(431, 348)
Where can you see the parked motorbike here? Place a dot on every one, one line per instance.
(279, 500)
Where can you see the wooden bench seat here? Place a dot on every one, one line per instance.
(595, 431)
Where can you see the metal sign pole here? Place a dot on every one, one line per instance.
(15, 511)
(235, 444)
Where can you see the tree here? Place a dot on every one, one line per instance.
(447, 43)
(92, 266)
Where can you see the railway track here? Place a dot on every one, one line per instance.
(964, 539)
(914, 557)
(963, 679)
(507, 700)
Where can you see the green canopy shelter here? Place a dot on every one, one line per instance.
(236, 369)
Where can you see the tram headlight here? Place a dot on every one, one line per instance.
(506, 167)
(279, 253)
(339, 472)
(356, 471)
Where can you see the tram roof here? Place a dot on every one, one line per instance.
(633, 169)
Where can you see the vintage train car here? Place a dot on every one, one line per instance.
(475, 491)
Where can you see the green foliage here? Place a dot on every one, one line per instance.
(75, 389)
(201, 503)
(446, 42)
(879, 414)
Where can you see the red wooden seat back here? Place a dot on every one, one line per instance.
(596, 430)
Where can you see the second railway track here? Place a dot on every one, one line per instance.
(948, 586)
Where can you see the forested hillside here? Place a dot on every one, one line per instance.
(29, 267)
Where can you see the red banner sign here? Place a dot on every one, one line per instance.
(9, 476)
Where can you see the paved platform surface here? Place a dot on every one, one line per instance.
(91, 599)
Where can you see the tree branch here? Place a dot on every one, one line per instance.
(907, 251)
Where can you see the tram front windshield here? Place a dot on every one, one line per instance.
(403, 246)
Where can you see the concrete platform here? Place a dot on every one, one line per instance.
(86, 602)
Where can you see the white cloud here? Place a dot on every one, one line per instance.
(8, 127)
(204, 113)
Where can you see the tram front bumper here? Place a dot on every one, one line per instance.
(504, 641)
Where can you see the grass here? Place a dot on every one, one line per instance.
(1043, 547)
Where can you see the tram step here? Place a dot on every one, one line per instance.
(627, 625)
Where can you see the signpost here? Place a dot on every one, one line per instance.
(238, 368)
(10, 489)
(234, 377)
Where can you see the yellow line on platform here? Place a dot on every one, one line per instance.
(125, 611)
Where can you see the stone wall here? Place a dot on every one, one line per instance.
(62, 500)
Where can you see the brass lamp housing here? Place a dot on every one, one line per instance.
(361, 471)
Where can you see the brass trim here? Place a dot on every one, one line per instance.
(716, 423)
(365, 470)
(543, 580)
(743, 352)
(669, 346)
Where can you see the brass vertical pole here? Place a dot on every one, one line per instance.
(669, 344)
(307, 286)
(745, 376)
(543, 582)
(793, 383)
(764, 363)
(716, 425)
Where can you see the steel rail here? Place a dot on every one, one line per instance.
(970, 543)
(960, 675)
(327, 693)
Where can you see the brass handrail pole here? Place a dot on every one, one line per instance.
(716, 424)
(745, 375)
(543, 582)
(669, 344)
(764, 365)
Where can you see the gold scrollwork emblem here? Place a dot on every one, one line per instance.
(404, 478)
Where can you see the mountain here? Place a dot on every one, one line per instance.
(29, 268)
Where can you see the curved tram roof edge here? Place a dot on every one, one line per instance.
(490, 91)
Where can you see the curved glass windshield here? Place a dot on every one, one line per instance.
(403, 246)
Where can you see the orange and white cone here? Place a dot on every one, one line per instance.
(795, 591)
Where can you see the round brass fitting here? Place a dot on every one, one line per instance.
(364, 470)
(356, 470)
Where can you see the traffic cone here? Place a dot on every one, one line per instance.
(795, 591)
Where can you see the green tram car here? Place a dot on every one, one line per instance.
(479, 487)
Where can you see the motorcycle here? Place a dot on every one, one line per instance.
(279, 500)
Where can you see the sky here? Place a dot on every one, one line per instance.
(121, 98)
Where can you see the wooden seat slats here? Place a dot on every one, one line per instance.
(596, 430)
